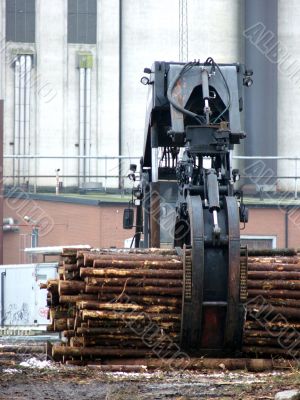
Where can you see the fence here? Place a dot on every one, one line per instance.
(105, 172)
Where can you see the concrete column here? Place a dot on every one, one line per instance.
(260, 36)
(50, 79)
(288, 89)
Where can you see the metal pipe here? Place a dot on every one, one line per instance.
(87, 146)
(154, 215)
(1, 178)
(266, 158)
(81, 123)
(22, 112)
(16, 162)
(120, 87)
(68, 176)
(27, 113)
(154, 153)
(74, 157)
(154, 167)
(296, 181)
(286, 227)
(3, 274)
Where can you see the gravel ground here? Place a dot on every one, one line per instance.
(36, 380)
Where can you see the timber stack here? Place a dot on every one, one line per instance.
(113, 303)
(272, 325)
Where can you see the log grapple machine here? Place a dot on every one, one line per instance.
(188, 287)
(185, 197)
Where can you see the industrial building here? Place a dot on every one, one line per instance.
(70, 74)
(70, 78)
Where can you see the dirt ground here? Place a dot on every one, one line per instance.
(55, 382)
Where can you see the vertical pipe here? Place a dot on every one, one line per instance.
(154, 153)
(1, 180)
(154, 215)
(3, 274)
(120, 88)
(22, 113)
(146, 216)
(88, 123)
(286, 228)
(81, 124)
(16, 163)
(296, 181)
(27, 114)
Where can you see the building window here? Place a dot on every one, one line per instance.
(20, 21)
(258, 242)
(82, 21)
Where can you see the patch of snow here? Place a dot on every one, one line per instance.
(36, 363)
(11, 371)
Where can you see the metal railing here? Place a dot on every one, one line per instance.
(106, 175)
(295, 177)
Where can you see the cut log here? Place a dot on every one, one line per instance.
(119, 290)
(273, 284)
(58, 350)
(133, 282)
(273, 275)
(70, 287)
(142, 273)
(266, 293)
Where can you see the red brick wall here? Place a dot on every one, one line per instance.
(271, 222)
(98, 226)
(101, 226)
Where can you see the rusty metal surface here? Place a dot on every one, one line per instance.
(192, 310)
(233, 324)
(154, 215)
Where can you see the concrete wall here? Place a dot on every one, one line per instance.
(149, 32)
(288, 88)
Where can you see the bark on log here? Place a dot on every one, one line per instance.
(76, 298)
(70, 287)
(261, 311)
(141, 264)
(266, 293)
(135, 316)
(58, 350)
(274, 275)
(272, 252)
(94, 305)
(273, 267)
(142, 273)
(133, 282)
(271, 351)
(274, 260)
(250, 364)
(272, 284)
(118, 290)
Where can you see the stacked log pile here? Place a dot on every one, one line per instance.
(12, 354)
(127, 303)
(113, 303)
(272, 323)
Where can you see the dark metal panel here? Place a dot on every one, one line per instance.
(192, 309)
(154, 215)
(261, 100)
(233, 327)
